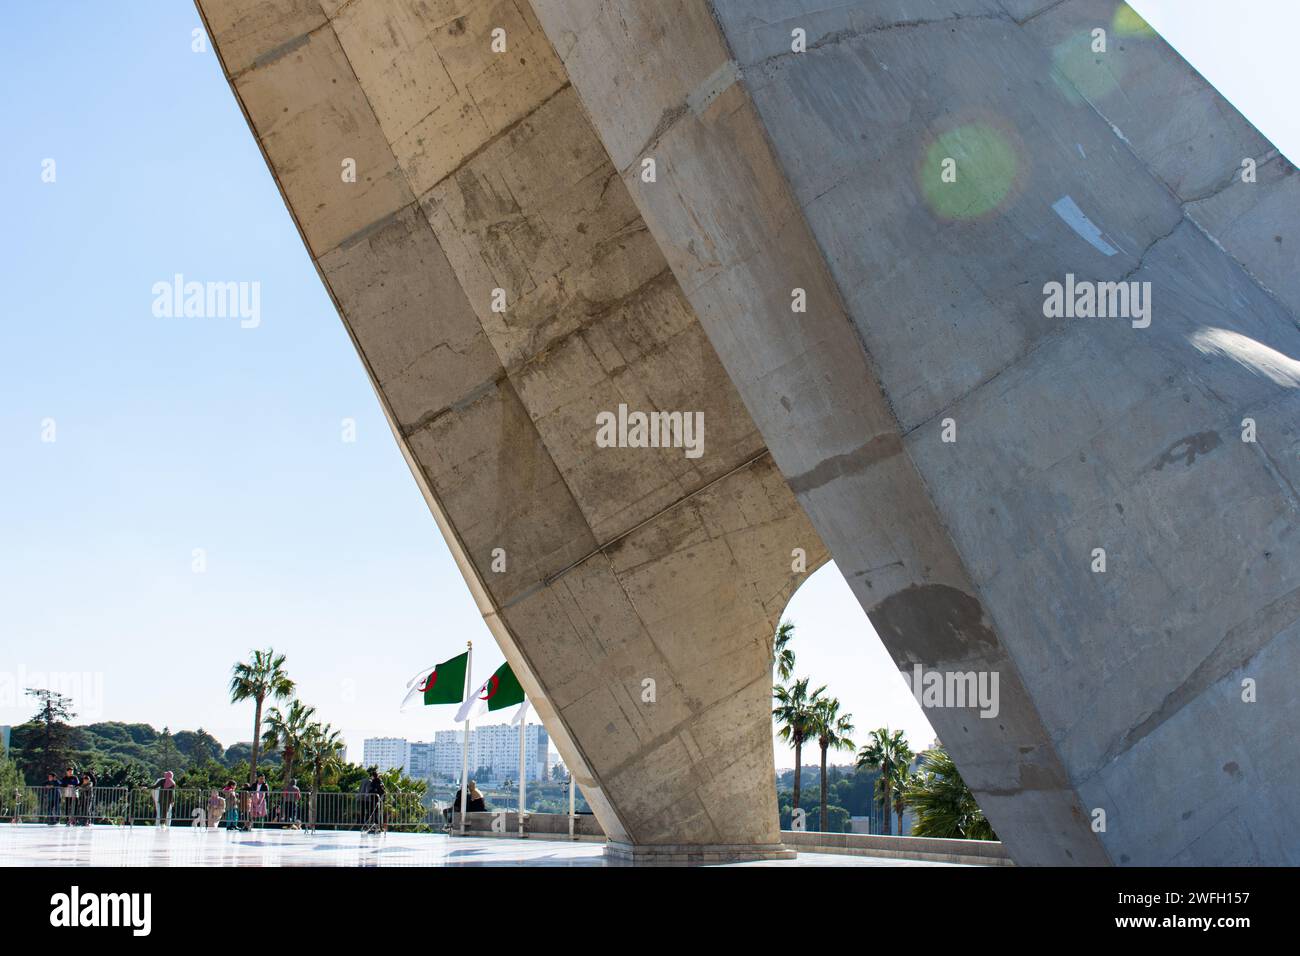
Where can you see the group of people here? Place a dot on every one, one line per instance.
(70, 800)
(243, 808)
(475, 802)
(371, 811)
(252, 804)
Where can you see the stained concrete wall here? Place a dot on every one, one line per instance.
(478, 171)
(1122, 690)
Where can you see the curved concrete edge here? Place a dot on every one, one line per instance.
(928, 849)
(685, 854)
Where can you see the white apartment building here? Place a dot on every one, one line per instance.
(497, 748)
(385, 753)
(494, 748)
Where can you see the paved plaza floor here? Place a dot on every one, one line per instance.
(40, 845)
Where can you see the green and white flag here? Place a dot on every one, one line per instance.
(444, 684)
(498, 692)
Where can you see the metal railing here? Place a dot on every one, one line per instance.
(213, 809)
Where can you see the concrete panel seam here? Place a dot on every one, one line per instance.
(1039, 13)
(848, 35)
(600, 549)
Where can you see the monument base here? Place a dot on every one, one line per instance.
(694, 854)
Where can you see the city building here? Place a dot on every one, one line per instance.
(496, 747)
(493, 753)
(421, 755)
(446, 754)
(385, 753)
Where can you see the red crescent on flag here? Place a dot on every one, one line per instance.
(428, 682)
(495, 682)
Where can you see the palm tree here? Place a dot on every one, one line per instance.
(901, 789)
(782, 651)
(832, 729)
(322, 748)
(403, 799)
(944, 805)
(794, 712)
(256, 679)
(889, 753)
(285, 733)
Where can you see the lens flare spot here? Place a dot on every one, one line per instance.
(1081, 73)
(1127, 22)
(968, 171)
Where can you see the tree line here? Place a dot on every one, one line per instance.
(289, 743)
(897, 777)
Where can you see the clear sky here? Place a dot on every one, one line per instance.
(179, 434)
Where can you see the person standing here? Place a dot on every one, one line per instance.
(85, 800)
(257, 800)
(376, 791)
(164, 793)
(230, 797)
(49, 798)
(68, 795)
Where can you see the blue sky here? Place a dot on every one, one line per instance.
(177, 434)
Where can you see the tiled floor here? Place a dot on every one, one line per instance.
(38, 845)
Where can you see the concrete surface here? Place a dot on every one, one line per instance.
(39, 846)
(965, 852)
(597, 569)
(1121, 691)
(536, 825)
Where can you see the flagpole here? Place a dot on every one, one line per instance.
(464, 750)
(523, 787)
(572, 784)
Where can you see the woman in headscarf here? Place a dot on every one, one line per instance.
(164, 792)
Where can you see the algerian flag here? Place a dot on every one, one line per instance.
(499, 691)
(445, 684)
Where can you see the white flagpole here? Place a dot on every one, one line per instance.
(572, 800)
(464, 750)
(523, 791)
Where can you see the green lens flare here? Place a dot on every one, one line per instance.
(968, 172)
(1128, 23)
(1083, 74)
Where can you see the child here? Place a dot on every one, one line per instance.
(232, 807)
(216, 807)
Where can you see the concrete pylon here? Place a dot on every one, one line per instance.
(503, 291)
(1102, 510)
(834, 229)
